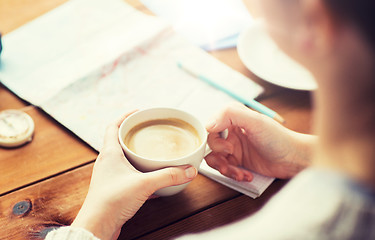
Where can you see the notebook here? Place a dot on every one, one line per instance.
(252, 189)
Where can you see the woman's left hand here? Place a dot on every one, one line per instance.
(117, 190)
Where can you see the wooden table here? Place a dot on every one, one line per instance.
(43, 184)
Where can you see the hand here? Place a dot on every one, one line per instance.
(258, 143)
(117, 190)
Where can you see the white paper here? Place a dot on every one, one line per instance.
(69, 42)
(252, 189)
(207, 23)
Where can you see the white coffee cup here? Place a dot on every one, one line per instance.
(145, 164)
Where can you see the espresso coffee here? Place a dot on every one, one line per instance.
(163, 139)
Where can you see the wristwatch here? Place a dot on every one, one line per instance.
(16, 128)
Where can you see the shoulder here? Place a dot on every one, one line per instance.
(321, 204)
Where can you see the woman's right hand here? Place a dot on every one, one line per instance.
(258, 143)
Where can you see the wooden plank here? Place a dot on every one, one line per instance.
(219, 215)
(56, 201)
(198, 196)
(8, 100)
(52, 150)
(295, 107)
(15, 13)
(137, 4)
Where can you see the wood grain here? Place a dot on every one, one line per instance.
(8, 100)
(221, 214)
(294, 106)
(56, 202)
(15, 13)
(52, 150)
(201, 194)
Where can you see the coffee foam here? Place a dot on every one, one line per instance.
(163, 139)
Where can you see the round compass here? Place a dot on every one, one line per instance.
(16, 128)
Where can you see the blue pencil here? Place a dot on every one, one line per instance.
(252, 103)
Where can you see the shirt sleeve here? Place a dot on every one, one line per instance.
(70, 233)
(316, 205)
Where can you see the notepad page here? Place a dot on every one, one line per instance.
(68, 43)
(253, 189)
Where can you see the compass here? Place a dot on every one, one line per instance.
(16, 128)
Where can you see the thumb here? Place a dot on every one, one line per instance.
(171, 176)
(235, 114)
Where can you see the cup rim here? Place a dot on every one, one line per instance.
(123, 145)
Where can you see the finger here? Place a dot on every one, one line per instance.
(225, 167)
(239, 174)
(217, 161)
(171, 176)
(111, 137)
(236, 172)
(153, 196)
(123, 117)
(246, 174)
(218, 144)
(235, 141)
(111, 134)
(235, 114)
(246, 144)
(232, 160)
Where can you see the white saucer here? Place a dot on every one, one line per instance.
(262, 56)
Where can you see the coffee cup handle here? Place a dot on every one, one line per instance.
(223, 134)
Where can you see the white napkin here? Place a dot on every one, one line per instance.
(252, 189)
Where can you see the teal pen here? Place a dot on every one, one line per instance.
(252, 103)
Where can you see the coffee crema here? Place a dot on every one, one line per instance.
(163, 139)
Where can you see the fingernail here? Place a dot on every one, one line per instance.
(227, 150)
(211, 125)
(190, 172)
(234, 176)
